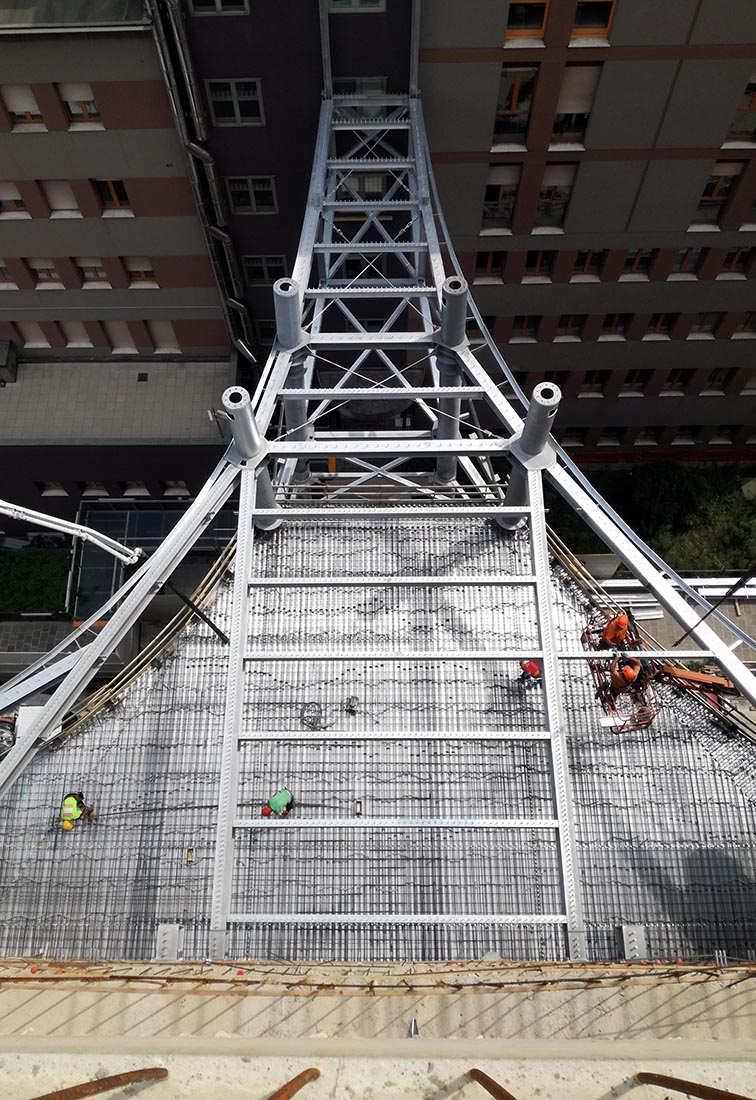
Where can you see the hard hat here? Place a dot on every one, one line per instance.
(266, 811)
(68, 825)
(622, 619)
(629, 672)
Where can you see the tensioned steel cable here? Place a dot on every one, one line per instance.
(565, 458)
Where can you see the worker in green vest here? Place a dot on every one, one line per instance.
(279, 803)
(72, 808)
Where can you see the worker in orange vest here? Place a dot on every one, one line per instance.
(531, 671)
(623, 677)
(615, 632)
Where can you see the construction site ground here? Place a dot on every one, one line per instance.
(552, 1032)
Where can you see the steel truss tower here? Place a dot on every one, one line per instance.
(372, 330)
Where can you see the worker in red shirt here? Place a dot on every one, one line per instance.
(531, 671)
(623, 677)
(615, 632)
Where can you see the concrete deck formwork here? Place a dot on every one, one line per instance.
(664, 816)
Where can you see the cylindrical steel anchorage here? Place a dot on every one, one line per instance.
(544, 403)
(237, 405)
(453, 311)
(540, 417)
(288, 314)
(452, 334)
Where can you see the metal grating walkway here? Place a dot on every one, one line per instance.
(664, 817)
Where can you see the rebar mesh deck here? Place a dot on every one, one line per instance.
(664, 816)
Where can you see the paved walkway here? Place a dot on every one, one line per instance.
(541, 1033)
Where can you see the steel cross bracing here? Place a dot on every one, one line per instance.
(366, 413)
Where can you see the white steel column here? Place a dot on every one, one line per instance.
(576, 943)
(232, 720)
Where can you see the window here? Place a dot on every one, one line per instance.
(120, 339)
(705, 324)
(687, 434)
(575, 102)
(252, 194)
(473, 331)
(263, 270)
(635, 381)
(22, 107)
(513, 105)
(718, 381)
(11, 203)
(678, 380)
(140, 271)
(688, 261)
(92, 272)
(359, 85)
(501, 192)
(747, 324)
(555, 195)
(610, 437)
(725, 434)
(364, 185)
(175, 489)
(61, 199)
(112, 195)
(594, 382)
(45, 273)
(357, 5)
(574, 438)
(527, 19)
(6, 279)
(81, 106)
(647, 437)
(490, 264)
(743, 126)
(614, 325)
(90, 489)
(163, 337)
(235, 102)
(570, 326)
(266, 332)
(32, 334)
(637, 263)
(524, 327)
(593, 19)
(737, 261)
(716, 193)
(51, 489)
(135, 489)
(659, 325)
(218, 7)
(75, 334)
(538, 265)
(588, 264)
(560, 378)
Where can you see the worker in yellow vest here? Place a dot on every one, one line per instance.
(72, 808)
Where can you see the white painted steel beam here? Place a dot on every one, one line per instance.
(476, 919)
(365, 822)
(477, 580)
(284, 448)
(397, 511)
(385, 393)
(328, 735)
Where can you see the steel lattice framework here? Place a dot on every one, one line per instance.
(371, 329)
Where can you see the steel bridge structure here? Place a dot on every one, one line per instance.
(391, 546)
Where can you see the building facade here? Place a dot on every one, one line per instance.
(596, 165)
(110, 315)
